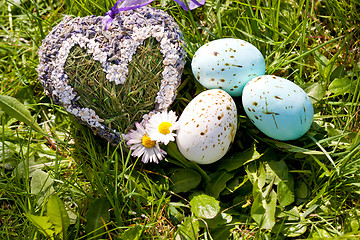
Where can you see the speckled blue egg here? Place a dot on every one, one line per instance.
(277, 107)
(227, 64)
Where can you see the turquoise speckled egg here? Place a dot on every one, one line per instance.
(277, 107)
(227, 64)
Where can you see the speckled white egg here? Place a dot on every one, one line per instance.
(207, 127)
(279, 108)
(227, 64)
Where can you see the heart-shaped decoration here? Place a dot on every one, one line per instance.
(110, 79)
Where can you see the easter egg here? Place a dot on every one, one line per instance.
(227, 64)
(277, 107)
(207, 127)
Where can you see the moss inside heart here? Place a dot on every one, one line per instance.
(120, 106)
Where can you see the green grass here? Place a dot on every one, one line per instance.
(109, 195)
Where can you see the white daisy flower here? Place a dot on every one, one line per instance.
(143, 145)
(161, 127)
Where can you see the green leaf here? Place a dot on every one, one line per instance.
(17, 110)
(285, 192)
(257, 176)
(221, 233)
(96, 216)
(322, 62)
(284, 181)
(238, 159)
(204, 206)
(173, 151)
(133, 233)
(340, 86)
(58, 216)
(263, 208)
(315, 91)
(218, 183)
(188, 230)
(219, 221)
(301, 191)
(6, 150)
(185, 180)
(41, 185)
(40, 181)
(43, 224)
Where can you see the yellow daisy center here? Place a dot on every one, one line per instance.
(147, 142)
(164, 127)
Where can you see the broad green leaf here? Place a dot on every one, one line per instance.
(175, 215)
(22, 167)
(301, 191)
(188, 230)
(219, 221)
(285, 192)
(319, 233)
(263, 208)
(294, 230)
(352, 221)
(173, 151)
(18, 110)
(96, 215)
(41, 185)
(322, 62)
(340, 86)
(204, 206)
(43, 224)
(284, 181)
(290, 229)
(8, 152)
(133, 233)
(185, 180)
(257, 176)
(239, 159)
(58, 216)
(218, 183)
(40, 181)
(238, 183)
(221, 233)
(292, 224)
(315, 91)
(337, 72)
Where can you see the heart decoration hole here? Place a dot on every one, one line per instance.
(120, 106)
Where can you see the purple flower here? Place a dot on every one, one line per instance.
(125, 5)
(133, 4)
(192, 4)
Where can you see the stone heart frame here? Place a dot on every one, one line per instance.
(113, 49)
